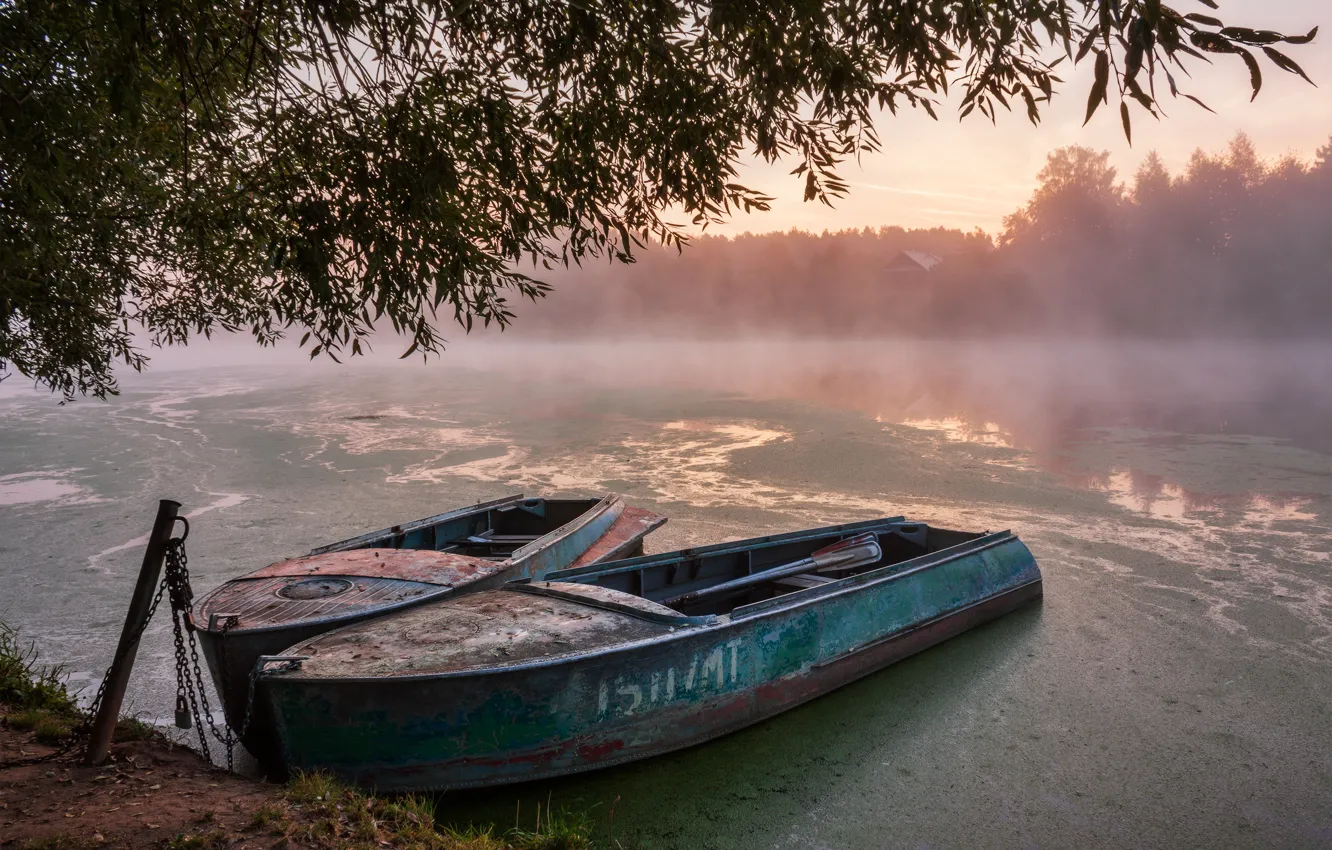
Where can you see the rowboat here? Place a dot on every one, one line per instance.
(605, 664)
(473, 548)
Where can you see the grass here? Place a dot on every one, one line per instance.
(34, 693)
(318, 811)
(134, 729)
(28, 685)
(38, 700)
(267, 816)
(46, 727)
(214, 839)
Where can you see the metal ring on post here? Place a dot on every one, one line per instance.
(183, 537)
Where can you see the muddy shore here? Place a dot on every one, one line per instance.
(146, 794)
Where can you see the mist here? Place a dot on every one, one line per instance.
(1234, 246)
(1194, 302)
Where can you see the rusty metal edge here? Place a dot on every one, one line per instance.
(837, 588)
(628, 544)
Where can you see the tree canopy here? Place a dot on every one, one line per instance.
(169, 169)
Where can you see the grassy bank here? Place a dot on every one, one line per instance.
(316, 810)
(34, 694)
(153, 793)
(35, 699)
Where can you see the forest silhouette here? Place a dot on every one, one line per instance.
(1234, 245)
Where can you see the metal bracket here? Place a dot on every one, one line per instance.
(288, 662)
(222, 622)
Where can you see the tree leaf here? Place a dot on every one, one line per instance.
(1255, 72)
(1285, 63)
(1302, 39)
(1200, 103)
(1100, 86)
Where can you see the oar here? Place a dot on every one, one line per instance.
(843, 555)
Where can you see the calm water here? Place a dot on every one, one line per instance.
(1174, 689)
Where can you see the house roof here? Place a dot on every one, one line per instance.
(913, 261)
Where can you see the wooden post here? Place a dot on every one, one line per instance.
(117, 678)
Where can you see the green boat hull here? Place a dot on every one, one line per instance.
(674, 685)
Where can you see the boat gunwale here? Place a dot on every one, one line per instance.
(612, 504)
(640, 562)
(841, 587)
(407, 528)
(884, 573)
(300, 624)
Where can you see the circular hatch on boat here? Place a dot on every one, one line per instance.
(314, 588)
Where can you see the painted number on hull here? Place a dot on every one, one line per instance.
(711, 672)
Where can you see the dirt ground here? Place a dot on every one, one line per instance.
(147, 794)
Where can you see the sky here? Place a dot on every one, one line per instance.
(971, 173)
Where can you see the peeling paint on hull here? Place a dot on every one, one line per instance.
(692, 682)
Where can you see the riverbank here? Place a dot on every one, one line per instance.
(152, 793)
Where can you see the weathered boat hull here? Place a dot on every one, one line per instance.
(231, 651)
(696, 680)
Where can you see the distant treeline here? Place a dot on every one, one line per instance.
(1232, 245)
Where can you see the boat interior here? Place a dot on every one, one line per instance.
(493, 530)
(708, 580)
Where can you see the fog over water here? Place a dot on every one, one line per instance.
(1175, 687)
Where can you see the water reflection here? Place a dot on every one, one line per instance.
(1156, 497)
(48, 485)
(1028, 404)
(959, 430)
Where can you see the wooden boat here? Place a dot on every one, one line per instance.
(590, 668)
(473, 548)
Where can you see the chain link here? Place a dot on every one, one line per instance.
(191, 686)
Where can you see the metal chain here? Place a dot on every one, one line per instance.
(191, 686)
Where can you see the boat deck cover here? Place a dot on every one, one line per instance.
(286, 601)
(492, 628)
(338, 584)
(425, 565)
